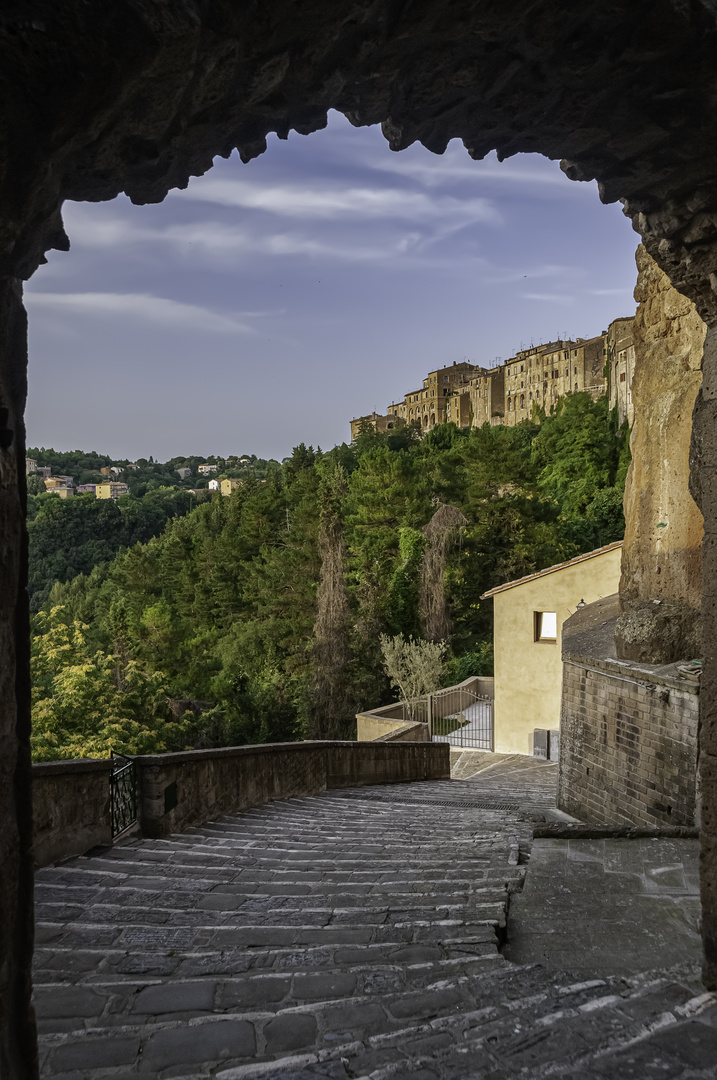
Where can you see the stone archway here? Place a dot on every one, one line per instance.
(136, 98)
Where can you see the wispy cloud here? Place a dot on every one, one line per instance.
(235, 243)
(335, 201)
(609, 292)
(531, 170)
(550, 298)
(140, 307)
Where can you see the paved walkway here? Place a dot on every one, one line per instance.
(353, 934)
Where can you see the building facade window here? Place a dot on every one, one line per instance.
(545, 626)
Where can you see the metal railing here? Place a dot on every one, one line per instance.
(123, 793)
(456, 715)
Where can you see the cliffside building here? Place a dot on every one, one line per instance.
(621, 367)
(543, 373)
(487, 396)
(469, 395)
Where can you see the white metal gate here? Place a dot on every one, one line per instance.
(457, 716)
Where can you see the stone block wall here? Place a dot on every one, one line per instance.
(628, 743)
(70, 808)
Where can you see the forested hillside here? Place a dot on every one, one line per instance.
(257, 617)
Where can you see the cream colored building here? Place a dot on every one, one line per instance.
(528, 615)
(227, 486)
(111, 490)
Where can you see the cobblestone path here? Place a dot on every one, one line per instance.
(345, 935)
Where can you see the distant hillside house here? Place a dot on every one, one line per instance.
(30, 465)
(227, 486)
(207, 470)
(184, 473)
(528, 615)
(214, 485)
(85, 488)
(111, 490)
(60, 485)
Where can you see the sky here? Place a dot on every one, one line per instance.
(268, 304)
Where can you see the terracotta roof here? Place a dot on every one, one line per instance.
(552, 569)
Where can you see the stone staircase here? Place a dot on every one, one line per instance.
(354, 934)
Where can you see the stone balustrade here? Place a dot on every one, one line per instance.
(71, 799)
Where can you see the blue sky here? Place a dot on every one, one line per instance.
(269, 303)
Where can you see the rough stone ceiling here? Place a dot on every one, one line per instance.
(139, 96)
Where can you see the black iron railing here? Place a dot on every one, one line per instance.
(123, 793)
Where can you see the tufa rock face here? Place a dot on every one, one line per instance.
(662, 552)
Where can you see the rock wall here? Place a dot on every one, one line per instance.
(661, 582)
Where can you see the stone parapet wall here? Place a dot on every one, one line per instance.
(411, 731)
(70, 808)
(178, 791)
(628, 743)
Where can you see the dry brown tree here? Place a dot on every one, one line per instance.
(441, 532)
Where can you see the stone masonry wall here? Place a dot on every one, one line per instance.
(70, 808)
(628, 743)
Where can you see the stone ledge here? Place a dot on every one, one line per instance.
(41, 769)
(563, 830)
(216, 754)
(645, 674)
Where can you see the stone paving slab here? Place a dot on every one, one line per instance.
(601, 907)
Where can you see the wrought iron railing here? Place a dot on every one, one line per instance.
(123, 793)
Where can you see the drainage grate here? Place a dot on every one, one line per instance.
(463, 804)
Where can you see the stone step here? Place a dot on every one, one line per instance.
(320, 858)
(217, 909)
(63, 1008)
(322, 893)
(97, 964)
(98, 872)
(207, 935)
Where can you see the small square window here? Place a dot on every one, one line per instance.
(545, 626)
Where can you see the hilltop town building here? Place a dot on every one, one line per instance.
(207, 470)
(487, 394)
(375, 421)
(621, 367)
(469, 395)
